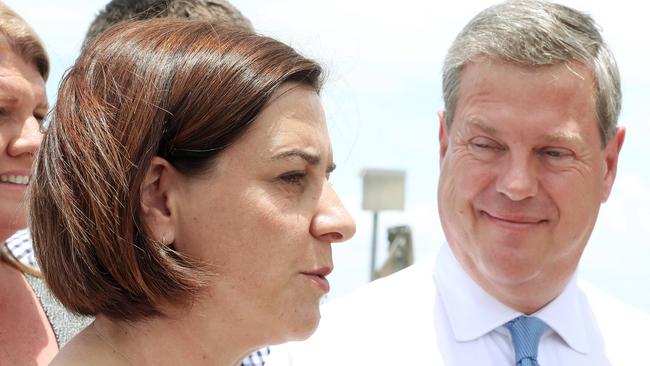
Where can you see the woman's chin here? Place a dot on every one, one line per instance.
(302, 329)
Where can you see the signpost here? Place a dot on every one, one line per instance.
(382, 190)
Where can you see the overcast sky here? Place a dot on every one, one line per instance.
(382, 95)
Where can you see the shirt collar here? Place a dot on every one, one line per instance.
(566, 317)
(473, 312)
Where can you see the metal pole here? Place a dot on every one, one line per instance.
(373, 250)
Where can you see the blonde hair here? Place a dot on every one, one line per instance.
(20, 37)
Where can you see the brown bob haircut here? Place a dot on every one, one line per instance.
(16, 34)
(183, 90)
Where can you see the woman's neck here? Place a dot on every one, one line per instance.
(178, 340)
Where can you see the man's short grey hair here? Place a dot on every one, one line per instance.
(537, 33)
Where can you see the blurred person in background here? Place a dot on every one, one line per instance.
(115, 12)
(34, 325)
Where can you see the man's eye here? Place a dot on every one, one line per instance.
(484, 144)
(556, 153)
(484, 148)
(295, 178)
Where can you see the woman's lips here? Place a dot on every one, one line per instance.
(14, 182)
(318, 277)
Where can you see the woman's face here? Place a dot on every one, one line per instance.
(23, 105)
(265, 216)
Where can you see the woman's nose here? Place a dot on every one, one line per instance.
(332, 222)
(27, 138)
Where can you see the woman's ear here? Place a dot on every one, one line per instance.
(157, 191)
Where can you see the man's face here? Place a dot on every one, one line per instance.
(523, 173)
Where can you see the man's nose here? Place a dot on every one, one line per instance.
(518, 178)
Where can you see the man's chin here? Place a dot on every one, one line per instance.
(510, 272)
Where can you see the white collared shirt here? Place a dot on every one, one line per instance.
(470, 322)
(432, 313)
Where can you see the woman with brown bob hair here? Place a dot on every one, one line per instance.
(181, 196)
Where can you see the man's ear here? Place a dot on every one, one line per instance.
(612, 150)
(443, 137)
(157, 191)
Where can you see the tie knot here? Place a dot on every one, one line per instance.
(526, 332)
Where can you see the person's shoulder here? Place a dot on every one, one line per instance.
(386, 322)
(85, 349)
(608, 308)
(623, 327)
(396, 290)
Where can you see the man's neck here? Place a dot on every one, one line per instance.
(527, 296)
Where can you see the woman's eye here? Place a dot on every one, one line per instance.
(40, 118)
(294, 178)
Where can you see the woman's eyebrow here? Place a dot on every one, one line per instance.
(312, 159)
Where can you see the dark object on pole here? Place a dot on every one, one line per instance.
(400, 251)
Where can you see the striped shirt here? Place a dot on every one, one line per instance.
(257, 358)
(20, 246)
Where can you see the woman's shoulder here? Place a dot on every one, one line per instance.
(64, 323)
(86, 349)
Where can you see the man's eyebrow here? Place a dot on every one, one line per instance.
(8, 98)
(476, 123)
(564, 137)
(309, 158)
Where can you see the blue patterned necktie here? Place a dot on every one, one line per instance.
(526, 332)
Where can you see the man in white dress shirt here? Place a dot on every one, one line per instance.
(529, 146)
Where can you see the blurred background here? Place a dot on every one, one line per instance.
(384, 62)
